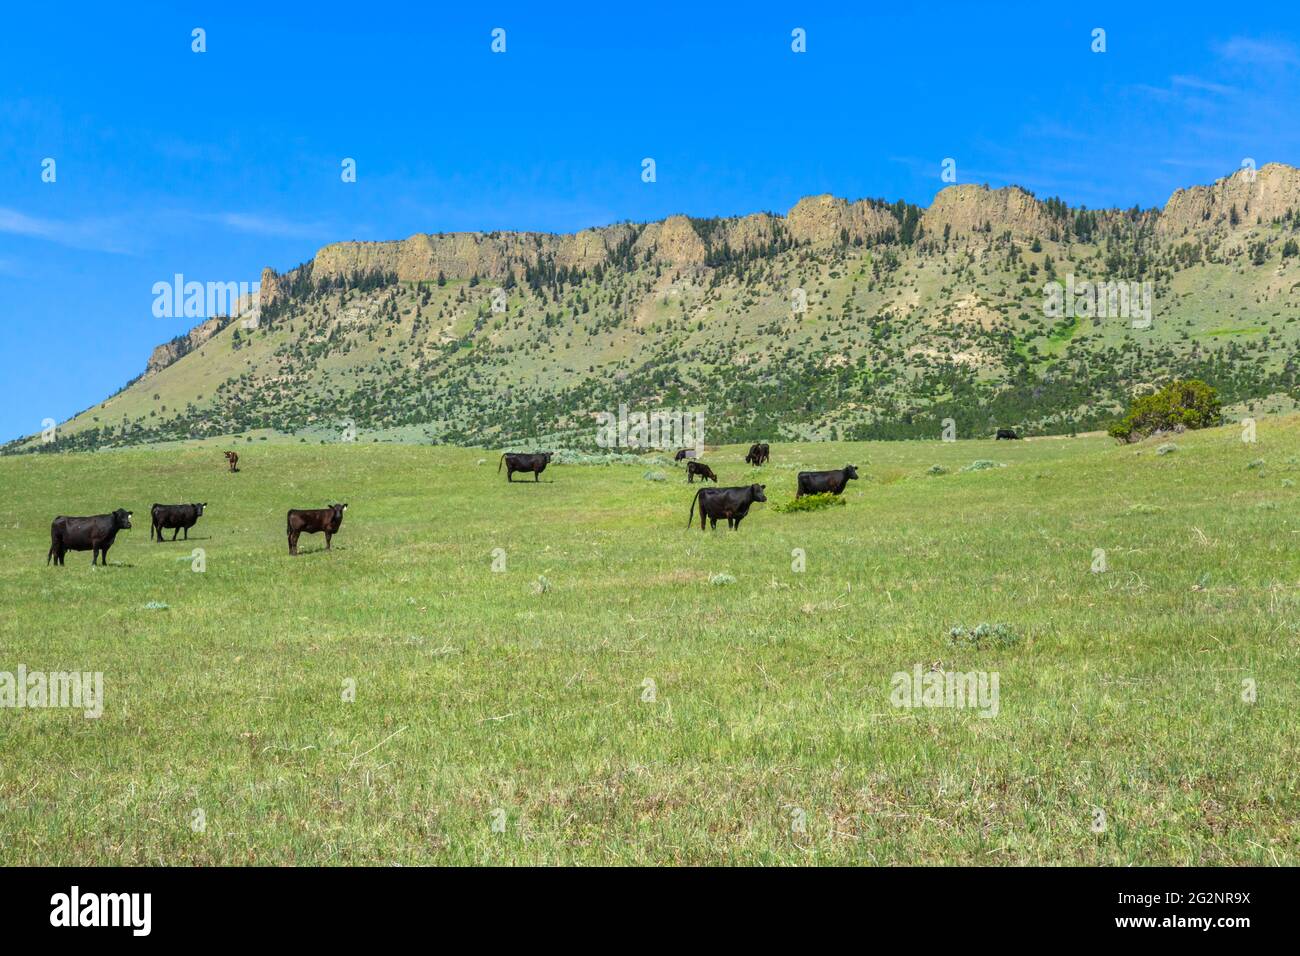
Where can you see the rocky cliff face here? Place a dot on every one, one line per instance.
(1264, 194)
(966, 209)
(682, 243)
(169, 352)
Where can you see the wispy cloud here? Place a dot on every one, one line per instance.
(1257, 52)
(276, 226)
(99, 235)
(1196, 83)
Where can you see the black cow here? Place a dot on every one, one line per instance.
(174, 516)
(684, 454)
(536, 463)
(94, 534)
(730, 503)
(1009, 433)
(821, 482)
(694, 468)
(314, 520)
(758, 454)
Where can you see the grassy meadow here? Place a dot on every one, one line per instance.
(613, 697)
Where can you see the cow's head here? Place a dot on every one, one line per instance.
(850, 471)
(338, 510)
(547, 455)
(757, 492)
(121, 518)
(198, 508)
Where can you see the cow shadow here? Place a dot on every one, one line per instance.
(305, 552)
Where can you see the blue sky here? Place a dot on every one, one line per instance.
(217, 164)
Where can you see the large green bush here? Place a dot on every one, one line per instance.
(1187, 403)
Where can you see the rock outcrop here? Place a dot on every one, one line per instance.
(1262, 194)
(182, 345)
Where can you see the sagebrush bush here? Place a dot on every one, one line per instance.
(809, 503)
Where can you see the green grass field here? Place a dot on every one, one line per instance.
(509, 717)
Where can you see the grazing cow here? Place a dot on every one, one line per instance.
(1009, 433)
(174, 516)
(94, 534)
(536, 463)
(821, 482)
(730, 503)
(234, 460)
(694, 468)
(685, 454)
(314, 520)
(758, 453)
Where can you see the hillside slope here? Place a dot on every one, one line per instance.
(912, 316)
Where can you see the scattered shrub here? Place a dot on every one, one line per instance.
(979, 634)
(721, 579)
(1168, 448)
(1186, 403)
(1256, 464)
(936, 470)
(980, 464)
(809, 503)
(655, 476)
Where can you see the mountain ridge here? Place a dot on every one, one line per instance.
(936, 306)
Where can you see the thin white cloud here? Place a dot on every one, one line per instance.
(270, 225)
(1258, 52)
(1196, 83)
(100, 235)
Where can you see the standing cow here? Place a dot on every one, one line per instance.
(1007, 433)
(758, 454)
(313, 521)
(177, 517)
(233, 459)
(94, 534)
(730, 503)
(694, 468)
(536, 463)
(824, 482)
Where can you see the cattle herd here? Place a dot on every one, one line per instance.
(96, 533)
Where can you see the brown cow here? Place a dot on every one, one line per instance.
(313, 521)
(234, 460)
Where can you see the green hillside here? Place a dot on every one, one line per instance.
(912, 317)
(630, 691)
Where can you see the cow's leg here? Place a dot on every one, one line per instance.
(94, 555)
(187, 534)
(327, 540)
(175, 533)
(293, 542)
(158, 531)
(510, 474)
(537, 476)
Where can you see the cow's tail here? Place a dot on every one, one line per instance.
(501, 462)
(690, 518)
